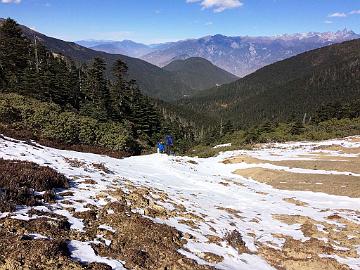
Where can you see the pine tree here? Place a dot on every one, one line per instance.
(14, 54)
(228, 127)
(120, 92)
(97, 103)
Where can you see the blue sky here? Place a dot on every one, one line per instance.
(153, 21)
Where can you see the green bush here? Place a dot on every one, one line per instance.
(63, 128)
(113, 135)
(87, 127)
(49, 122)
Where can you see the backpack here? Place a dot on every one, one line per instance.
(169, 140)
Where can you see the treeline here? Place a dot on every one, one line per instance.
(27, 68)
(329, 121)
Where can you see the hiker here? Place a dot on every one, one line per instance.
(169, 140)
(160, 148)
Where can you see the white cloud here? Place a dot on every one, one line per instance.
(328, 22)
(354, 12)
(338, 15)
(217, 5)
(10, 1)
(208, 23)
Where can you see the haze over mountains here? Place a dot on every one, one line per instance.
(126, 47)
(237, 55)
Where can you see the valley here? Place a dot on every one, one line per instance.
(185, 150)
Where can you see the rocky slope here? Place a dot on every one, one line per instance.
(244, 55)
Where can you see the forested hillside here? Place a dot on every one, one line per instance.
(199, 73)
(287, 90)
(152, 80)
(48, 97)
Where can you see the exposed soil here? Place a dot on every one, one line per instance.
(137, 240)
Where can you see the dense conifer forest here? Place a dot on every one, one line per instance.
(51, 97)
(287, 90)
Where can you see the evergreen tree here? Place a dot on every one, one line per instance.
(228, 127)
(120, 92)
(97, 103)
(14, 54)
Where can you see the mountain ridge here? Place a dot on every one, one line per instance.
(288, 88)
(243, 55)
(152, 80)
(199, 73)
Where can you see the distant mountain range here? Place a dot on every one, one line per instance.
(126, 47)
(237, 55)
(287, 89)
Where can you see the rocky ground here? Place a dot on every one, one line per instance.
(289, 206)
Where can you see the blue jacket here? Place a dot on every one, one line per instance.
(161, 147)
(169, 140)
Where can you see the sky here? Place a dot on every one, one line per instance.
(156, 21)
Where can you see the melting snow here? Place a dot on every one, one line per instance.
(83, 252)
(200, 190)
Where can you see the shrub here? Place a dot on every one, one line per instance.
(64, 128)
(47, 121)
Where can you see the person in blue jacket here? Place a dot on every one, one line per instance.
(160, 147)
(169, 140)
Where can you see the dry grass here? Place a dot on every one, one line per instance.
(246, 159)
(294, 201)
(319, 162)
(343, 185)
(345, 150)
(305, 255)
(19, 180)
(297, 255)
(352, 165)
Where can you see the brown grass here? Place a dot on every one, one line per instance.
(294, 201)
(101, 167)
(305, 255)
(352, 165)
(19, 180)
(343, 185)
(246, 159)
(318, 162)
(340, 148)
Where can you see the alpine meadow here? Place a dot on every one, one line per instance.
(179, 135)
